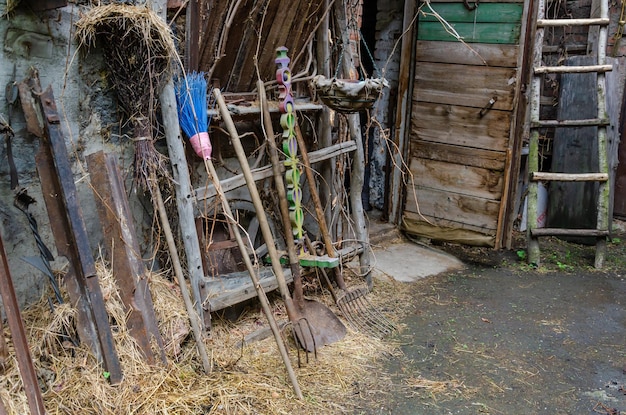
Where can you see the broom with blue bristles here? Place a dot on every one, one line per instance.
(191, 98)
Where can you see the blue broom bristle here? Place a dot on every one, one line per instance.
(191, 99)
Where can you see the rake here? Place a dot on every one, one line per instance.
(353, 303)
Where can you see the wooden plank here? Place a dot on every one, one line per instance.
(567, 232)
(486, 159)
(572, 22)
(458, 178)
(451, 124)
(124, 254)
(443, 230)
(457, 208)
(466, 85)
(236, 31)
(486, 13)
(502, 33)
(185, 204)
(265, 172)
(463, 54)
(573, 69)
(574, 205)
(569, 177)
(236, 287)
(403, 119)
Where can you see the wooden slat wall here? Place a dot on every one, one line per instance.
(458, 157)
(282, 23)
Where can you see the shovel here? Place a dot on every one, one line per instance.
(314, 324)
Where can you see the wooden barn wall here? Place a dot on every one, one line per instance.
(458, 159)
(232, 31)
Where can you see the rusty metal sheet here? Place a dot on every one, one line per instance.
(123, 248)
(18, 334)
(68, 228)
(31, 110)
(4, 352)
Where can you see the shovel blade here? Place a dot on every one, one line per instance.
(318, 326)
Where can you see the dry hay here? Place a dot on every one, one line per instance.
(436, 388)
(248, 380)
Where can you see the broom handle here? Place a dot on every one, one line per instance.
(234, 227)
(193, 317)
(258, 205)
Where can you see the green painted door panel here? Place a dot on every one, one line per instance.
(498, 23)
(502, 33)
(484, 13)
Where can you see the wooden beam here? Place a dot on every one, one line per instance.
(572, 69)
(207, 192)
(569, 177)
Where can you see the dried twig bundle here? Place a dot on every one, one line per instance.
(138, 48)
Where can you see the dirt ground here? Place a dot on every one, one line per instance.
(500, 337)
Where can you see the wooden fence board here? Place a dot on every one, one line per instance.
(466, 85)
(503, 33)
(457, 178)
(450, 124)
(486, 159)
(486, 13)
(478, 212)
(464, 54)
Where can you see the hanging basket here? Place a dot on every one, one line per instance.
(346, 95)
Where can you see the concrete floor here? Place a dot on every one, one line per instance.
(405, 260)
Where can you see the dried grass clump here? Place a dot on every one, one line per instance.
(138, 49)
(10, 7)
(435, 388)
(246, 380)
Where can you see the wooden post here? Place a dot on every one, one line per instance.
(326, 189)
(185, 201)
(403, 115)
(358, 162)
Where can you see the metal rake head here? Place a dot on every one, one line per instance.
(362, 315)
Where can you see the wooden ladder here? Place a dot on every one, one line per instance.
(601, 121)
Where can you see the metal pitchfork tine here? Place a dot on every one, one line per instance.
(300, 337)
(355, 303)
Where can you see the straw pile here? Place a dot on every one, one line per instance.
(249, 380)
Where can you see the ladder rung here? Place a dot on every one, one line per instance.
(572, 22)
(567, 232)
(569, 177)
(591, 122)
(572, 69)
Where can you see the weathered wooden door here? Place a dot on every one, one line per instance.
(462, 121)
